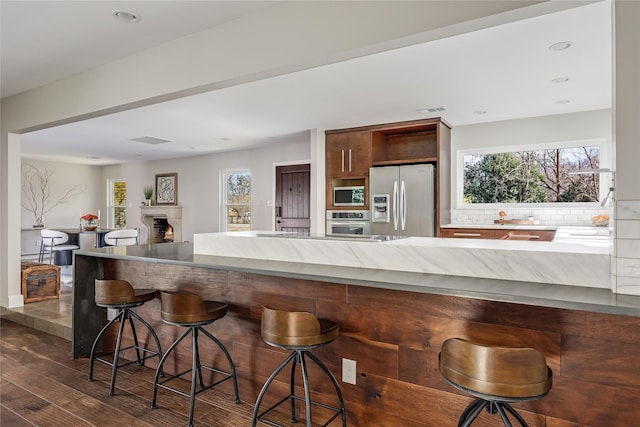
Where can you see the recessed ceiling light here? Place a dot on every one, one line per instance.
(563, 79)
(562, 101)
(125, 16)
(560, 46)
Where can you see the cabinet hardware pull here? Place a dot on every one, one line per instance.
(342, 160)
(349, 159)
(530, 236)
(467, 234)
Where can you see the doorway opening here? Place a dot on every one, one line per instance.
(293, 198)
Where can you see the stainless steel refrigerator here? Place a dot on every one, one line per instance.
(403, 200)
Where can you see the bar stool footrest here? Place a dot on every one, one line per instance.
(140, 362)
(227, 375)
(337, 411)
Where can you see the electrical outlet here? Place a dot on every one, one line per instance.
(349, 371)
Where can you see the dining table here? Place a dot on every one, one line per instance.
(75, 237)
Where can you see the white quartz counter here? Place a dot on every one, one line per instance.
(540, 262)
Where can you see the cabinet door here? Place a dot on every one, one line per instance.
(467, 233)
(348, 154)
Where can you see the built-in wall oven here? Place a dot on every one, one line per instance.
(353, 223)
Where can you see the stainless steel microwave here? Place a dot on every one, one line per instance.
(349, 196)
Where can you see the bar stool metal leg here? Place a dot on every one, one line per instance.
(196, 370)
(299, 357)
(334, 381)
(95, 343)
(272, 377)
(125, 315)
(300, 332)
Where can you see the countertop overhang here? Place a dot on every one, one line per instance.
(518, 291)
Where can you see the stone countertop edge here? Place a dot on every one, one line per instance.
(528, 293)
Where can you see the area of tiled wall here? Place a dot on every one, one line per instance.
(577, 216)
(626, 259)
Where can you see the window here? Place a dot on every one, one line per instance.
(539, 175)
(237, 200)
(118, 204)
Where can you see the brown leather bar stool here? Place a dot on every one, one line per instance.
(191, 312)
(496, 376)
(120, 295)
(299, 332)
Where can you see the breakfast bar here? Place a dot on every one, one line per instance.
(392, 320)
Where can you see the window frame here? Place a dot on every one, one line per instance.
(111, 217)
(604, 183)
(224, 206)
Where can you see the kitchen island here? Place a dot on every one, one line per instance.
(392, 324)
(523, 261)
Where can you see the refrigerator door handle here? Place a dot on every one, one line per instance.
(395, 205)
(403, 205)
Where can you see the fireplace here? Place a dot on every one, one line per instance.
(162, 231)
(162, 223)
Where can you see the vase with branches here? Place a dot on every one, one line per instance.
(36, 190)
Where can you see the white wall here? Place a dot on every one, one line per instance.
(199, 183)
(65, 176)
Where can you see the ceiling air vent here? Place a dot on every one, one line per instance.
(150, 140)
(432, 109)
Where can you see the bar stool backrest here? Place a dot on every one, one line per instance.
(121, 237)
(178, 307)
(289, 328)
(497, 371)
(113, 291)
(53, 237)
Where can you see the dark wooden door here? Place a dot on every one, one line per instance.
(292, 205)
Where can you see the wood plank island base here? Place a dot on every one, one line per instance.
(392, 324)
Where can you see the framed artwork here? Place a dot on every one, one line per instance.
(167, 189)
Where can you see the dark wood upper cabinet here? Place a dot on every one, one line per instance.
(351, 152)
(348, 154)
(413, 144)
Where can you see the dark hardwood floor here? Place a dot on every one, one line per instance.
(40, 384)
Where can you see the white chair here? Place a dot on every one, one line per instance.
(54, 241)
(121, 237)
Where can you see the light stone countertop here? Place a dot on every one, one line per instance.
(539, 262)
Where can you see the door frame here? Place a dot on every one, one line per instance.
(272, 202)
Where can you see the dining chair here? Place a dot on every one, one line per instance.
(54, 241)
(121, 237)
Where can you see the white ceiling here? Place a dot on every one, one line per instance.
(506, 71)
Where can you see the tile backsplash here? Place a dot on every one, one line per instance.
(575, 215)
(626, 266)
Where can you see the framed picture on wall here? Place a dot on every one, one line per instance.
(167, 189)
